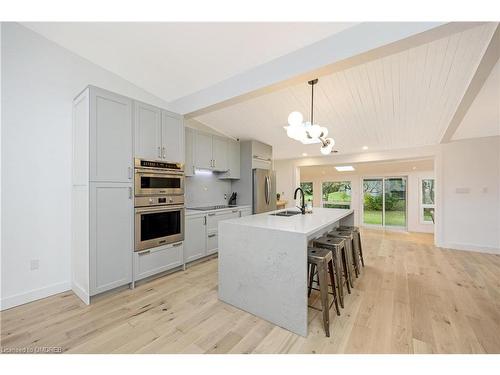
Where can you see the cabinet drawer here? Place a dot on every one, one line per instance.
(212, 242)
(213, 218)
(159, 259)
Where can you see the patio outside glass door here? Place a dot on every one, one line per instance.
(384, 202)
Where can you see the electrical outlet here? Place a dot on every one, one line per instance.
(34, 264)
(225, 196)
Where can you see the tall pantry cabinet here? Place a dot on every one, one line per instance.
(102, 192)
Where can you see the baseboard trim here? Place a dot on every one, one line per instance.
(33, 295)
(80, 293)
(469, 247)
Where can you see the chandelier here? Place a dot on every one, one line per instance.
(308, 132)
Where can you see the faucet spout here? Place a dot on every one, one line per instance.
(303, 201)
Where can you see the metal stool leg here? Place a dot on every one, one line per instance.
(360, 247)
(312, 269)
(332, 280)
(325, 305)
(347, 272)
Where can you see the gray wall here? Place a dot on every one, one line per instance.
(206, 190)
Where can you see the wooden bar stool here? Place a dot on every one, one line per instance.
(353, 259)
(357, 242)
(322, 260)
(336, 246)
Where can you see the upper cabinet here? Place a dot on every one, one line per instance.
(233, 160)
(110, 131)
(147, 130)
(219, 154)
(159, 135)
(203, 158)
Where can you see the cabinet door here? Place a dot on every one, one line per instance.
(189, 147)
(172, 135)
(203, 151)
(110, 137)
(233, 159)
(219, 153)
(147, 130)
(156, 260)
(195, 245)
(111, 236)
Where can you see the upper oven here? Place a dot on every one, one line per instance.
(158, 178)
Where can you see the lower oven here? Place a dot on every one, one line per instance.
(158, 225)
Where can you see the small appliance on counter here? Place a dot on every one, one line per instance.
(232, 199)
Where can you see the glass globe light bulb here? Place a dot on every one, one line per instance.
(295, 118)
(315, 131)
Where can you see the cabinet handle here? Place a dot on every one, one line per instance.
(235, 210)
(129, 173)
(129, 193)
(205, 223)
(177, 244)
(159, 152)
(215, 162)
(211, 214)
(164, 154)
(144, 252)
(211, 235)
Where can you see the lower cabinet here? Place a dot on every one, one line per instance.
(160, 259)
(111, 236)
(201, 235)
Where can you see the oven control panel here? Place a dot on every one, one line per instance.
(161, 200)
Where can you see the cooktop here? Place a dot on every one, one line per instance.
(210, 208)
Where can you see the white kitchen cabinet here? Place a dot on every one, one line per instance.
(189, 147)
(245, 212)
(159, 135)
(233, 160)
(195, 242)
(219, 154)
(172, 135)
(147, 131)
(212, 242)
(160, 259)
(111, 238)
(213, 218)
(203, 150)
(110, 144)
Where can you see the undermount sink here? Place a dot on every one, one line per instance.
(286, 213)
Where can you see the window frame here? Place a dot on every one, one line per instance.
(423, 206)
(322, 202)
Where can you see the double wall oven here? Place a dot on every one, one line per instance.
(159, 203)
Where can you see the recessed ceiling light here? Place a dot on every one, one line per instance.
(344, 168)
(414, 168)
(304, 154)
(365, 147)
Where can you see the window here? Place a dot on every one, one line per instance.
(336, 194)
(308, 191)
(427, 201)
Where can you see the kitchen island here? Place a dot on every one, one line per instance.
(263, 263)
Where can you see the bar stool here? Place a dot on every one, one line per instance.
(322, 260)
(336, 246)
(357, 242)
(353, 259)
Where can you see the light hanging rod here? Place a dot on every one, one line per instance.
(312, 83)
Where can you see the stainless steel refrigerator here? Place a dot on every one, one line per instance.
(264, 191)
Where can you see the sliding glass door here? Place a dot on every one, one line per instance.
(384, 202)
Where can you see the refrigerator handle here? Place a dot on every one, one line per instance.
(266, 190)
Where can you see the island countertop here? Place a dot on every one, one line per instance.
(263, 263)
(304, 224)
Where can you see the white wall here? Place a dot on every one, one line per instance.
(468, 181)
(39, 81)
(413, 192)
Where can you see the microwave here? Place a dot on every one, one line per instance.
(154, 178)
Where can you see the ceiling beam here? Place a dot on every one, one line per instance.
(483, 71)
(356, 45)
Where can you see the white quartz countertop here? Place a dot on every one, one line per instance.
(305, 224)
(200, 212)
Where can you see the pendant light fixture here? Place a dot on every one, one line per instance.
(309, 132)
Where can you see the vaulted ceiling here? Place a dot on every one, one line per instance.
(402, 100)
(174, 59)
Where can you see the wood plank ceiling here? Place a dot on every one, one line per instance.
(399, 101)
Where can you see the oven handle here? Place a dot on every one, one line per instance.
(158, 209)
(156, 171)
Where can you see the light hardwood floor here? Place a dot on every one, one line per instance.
(410, 298)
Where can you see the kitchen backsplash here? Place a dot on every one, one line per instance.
(206, 190)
